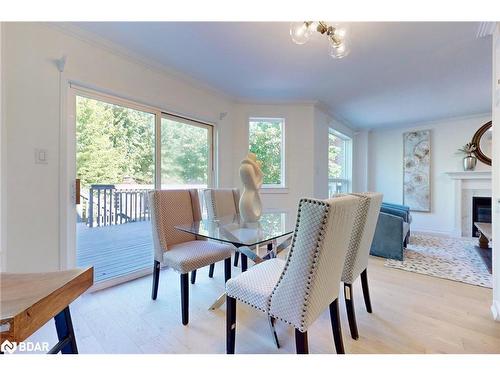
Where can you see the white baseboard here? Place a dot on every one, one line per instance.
(495, 310)
(441, 233)
(119, 280)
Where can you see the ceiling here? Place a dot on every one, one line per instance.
(397, 73)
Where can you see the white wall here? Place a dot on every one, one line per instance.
(496, 172)
(360, 161)
(299, 147)
(306, 150)
(3, 253)
(385, 167)
(32, 109)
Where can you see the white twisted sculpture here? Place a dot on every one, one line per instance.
(252, 178)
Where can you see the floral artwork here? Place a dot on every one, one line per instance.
(416, 170)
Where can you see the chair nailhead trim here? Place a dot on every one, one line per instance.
(321, 236)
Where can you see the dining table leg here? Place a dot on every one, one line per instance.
(244, 262)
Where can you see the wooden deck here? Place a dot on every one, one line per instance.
(115, 250)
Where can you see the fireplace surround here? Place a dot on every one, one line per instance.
(481, 212)
(466, 186)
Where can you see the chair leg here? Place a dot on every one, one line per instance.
(211, 270)
(273, 331)
(366, 291)
(244, 262)
(351, 315)
(230, 324)
(301, 344)
(236, 257)
(193, 277)
(156, 279)
(336, 328)
(227, 269)
(185, 298)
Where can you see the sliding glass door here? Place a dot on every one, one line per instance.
(123, 151)
(115, 153)
(186, 153)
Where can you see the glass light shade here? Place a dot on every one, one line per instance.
(340, 50)
(340, 32)
(300, 32)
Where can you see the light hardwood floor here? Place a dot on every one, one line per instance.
(412, 313)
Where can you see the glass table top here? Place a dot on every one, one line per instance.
(234, 230)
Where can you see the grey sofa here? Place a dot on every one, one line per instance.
(392, 232)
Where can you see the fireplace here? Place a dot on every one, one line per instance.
(481, 212)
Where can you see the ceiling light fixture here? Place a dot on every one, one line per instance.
(338, 35)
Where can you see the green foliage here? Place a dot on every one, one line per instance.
(265, 142)
(184, 153)
(113, 142)
(334, 156)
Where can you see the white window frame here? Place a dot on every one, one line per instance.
(347, 166)
(67, 222)
(283, 184)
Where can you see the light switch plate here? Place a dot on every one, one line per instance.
(41, 156)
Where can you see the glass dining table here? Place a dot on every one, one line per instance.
(274, 230)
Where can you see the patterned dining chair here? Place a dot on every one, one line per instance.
(180, 250)
(356, 261)
(297, 290)
(221, 202)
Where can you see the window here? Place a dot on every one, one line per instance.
(339, 163)
(123, 151)
(266, 140)
(186, 153)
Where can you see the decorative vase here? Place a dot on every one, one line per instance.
(470, 163)
(252, 178)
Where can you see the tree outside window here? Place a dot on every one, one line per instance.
(339, 163)
(266, 142)
(114, 143)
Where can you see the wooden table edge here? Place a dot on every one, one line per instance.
(25, 323)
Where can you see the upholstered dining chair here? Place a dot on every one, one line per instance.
(356, 262)
(179, 250)
(221, 202)
(225, 202)
(297, 290)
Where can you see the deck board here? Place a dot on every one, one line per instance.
(115, 250)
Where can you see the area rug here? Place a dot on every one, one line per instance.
(448, 258)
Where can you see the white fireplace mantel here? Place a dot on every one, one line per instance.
(467, 184)
(470, 175)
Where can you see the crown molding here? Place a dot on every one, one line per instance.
(250, 101)
(408, 125)
(155, 66)
(322, 106)
(485, 29)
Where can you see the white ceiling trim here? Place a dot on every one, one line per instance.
(427, 122)
(485, 29)
(97, 41)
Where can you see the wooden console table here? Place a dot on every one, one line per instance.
(485, 235)
(29, 300)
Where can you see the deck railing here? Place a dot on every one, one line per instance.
(108, 205)
(338, 185)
